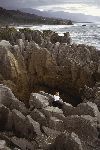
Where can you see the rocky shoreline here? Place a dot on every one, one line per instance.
(33, 65)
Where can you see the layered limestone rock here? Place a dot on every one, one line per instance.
(45, 60)
(13, 70)
(45, 127)
(69, 67)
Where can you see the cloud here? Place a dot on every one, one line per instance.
(73, 8)
(34, 3)
(87, 7)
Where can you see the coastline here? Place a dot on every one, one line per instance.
(35, 65)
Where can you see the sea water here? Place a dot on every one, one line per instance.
(81, 33)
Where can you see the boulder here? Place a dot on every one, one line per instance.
(51, 132)
(56, 124)
(6, 96)
(4, 111)
(68, 109)
(8, 99)
(48, 138)
(66, 141)
(38, 101)
(84, 126)
(3, 145)
(32, 128)
(38, 117)
(24, 144)
(18, 122)
(54, 38)
(49, 97)
(52, 111)
(20, 106)
(88, 108)
(5, 43)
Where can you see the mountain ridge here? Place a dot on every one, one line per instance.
(19, 17)
(76, 17)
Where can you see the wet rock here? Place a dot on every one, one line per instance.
(67, 141)
(38, 117)
(38, 101)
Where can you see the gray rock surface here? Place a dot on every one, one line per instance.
(56, 124)
(32, 128)
(38, 117)
(8, 99)
(67, 142)
(38, 101)
(84, 126)
(4, 111)
(52, 111)
(24, 144)
(18, 122)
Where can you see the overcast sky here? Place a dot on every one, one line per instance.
(88, 7)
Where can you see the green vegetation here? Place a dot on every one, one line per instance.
(16, 17)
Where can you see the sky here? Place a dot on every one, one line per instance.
(87, 7)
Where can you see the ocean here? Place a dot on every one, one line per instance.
(81, 33)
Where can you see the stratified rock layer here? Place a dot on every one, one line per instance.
(47, 61)
(46, 127)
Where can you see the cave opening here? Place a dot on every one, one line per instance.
(68, 97)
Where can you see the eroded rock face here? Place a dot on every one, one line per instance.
(84, 126)
(45, 126)
(13, 71)
(68, 67)
(51, 63)
(67, 142)
(8, 99)
(38, 101)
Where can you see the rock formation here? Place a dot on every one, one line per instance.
(43, 126)
(33, 65)
(44, 61)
